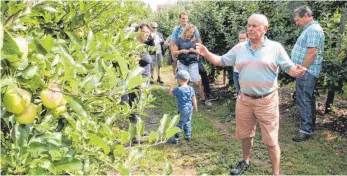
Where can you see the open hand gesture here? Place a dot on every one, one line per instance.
(201, 49)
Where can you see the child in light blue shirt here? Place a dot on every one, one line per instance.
(186, 101)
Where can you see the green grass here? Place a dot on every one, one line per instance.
(212, 152)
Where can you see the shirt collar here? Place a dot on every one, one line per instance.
(265, 42)
(309, 24)
(180, 26)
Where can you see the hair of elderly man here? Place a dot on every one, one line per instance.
(302, 11)
(261, 18)
(183, 13)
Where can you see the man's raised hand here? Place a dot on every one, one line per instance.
(201, 49)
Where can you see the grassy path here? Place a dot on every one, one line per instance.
(213, 147)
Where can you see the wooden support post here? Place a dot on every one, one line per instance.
(224, 75)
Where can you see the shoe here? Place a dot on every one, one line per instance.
(160, 81)
(212, 98)
(301, 137)
(145, 133)
(151, 81)
(188, 139)
(172, 140)
(137, 140)
(208, 102)
(240, 168)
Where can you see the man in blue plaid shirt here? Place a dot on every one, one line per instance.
(307, 52)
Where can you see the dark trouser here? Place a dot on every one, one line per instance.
(131, 98)
(236, 81)
(204, 79)
(230, 74)
(306, 103)
(169, 59)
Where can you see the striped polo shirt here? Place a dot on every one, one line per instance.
(258, 70)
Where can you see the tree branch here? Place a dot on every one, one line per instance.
(82, 95)
(82, 13)
(101, 11)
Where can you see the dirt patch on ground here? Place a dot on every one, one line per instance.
(223, 128)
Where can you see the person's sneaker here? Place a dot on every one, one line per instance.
(137, 140)
(212, 98)
(208, 102)
(159, 81)
(301, 137)
(151, 81)
(145, 133)
(240, 168)
(188, 139)
(173, 140)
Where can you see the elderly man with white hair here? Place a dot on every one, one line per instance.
(257, 60)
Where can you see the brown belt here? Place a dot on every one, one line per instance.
(258, 96)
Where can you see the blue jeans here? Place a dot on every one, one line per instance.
(185, 122)
(306, 103)
(236, 81)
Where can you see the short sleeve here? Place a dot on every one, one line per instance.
(177, 42)
(193, 91)
(197, 33)
(175, 91)
(313, 38)
(283, 59)
(169, 38)
(229, 58)
(174, 35)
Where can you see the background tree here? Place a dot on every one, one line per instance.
(220, 21)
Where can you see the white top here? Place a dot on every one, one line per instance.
(157, 43)
(235, 69)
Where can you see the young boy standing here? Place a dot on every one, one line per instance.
(186, 101)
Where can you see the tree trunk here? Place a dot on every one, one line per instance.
(331, 93)
(329, 102)
(343, 20)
